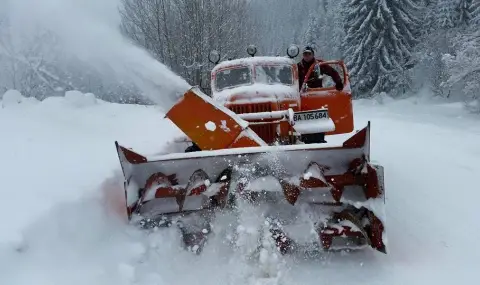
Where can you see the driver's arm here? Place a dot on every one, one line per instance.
(330, 71)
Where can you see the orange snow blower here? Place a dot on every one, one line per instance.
(261, 140)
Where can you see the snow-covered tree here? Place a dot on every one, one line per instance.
(325, 29)
(375, 38)
(445, 14)
(380, 37)
(475, 12)
(280, 23)
(464, 12)
(429, 16)
(464, 67)
(181, 33)
(313, 31)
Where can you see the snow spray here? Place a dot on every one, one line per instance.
(89, 30)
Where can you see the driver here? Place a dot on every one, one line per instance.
(313, 80)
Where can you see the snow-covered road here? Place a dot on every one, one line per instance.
(55, 154)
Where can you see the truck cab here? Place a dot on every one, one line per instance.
(270, 83)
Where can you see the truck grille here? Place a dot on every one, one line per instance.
(265, 132)
(251, 108)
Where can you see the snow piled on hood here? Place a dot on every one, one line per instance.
(257, 93)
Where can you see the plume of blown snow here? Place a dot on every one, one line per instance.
(89, 30)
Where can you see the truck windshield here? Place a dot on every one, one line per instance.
(229, 78)
(274, 74)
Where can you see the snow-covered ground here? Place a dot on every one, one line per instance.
(56, 154)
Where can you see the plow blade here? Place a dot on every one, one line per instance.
(340, 180)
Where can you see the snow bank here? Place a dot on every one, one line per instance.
(73, 98)
(14, 97)
(80, 100)
(380, 99)
(473, 106)
(30, 101)
(11, 97)
(422, 107)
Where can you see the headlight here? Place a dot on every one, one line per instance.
(293, 51)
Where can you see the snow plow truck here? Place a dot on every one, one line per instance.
(260, 139)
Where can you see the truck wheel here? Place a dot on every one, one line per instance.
(314, 138)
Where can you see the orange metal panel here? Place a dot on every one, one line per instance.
(339, 104)
(206, 124)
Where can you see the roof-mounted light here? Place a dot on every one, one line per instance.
(293, 51)
(214, 57)
(252, 50)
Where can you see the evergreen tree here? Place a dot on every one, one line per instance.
(464, 12)
(475, 8)
(380, 35)
(324, 31)
(429, 16)
(464, 66)
(333, 32)
(445, 14)
(312, 33)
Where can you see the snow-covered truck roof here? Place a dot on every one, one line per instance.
(257, 60)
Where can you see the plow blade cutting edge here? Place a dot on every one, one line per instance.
(338, 181)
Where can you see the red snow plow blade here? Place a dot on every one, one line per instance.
(338, 184)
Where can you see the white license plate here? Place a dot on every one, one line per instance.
(310, 115)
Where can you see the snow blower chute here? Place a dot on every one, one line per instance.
(260, 139)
